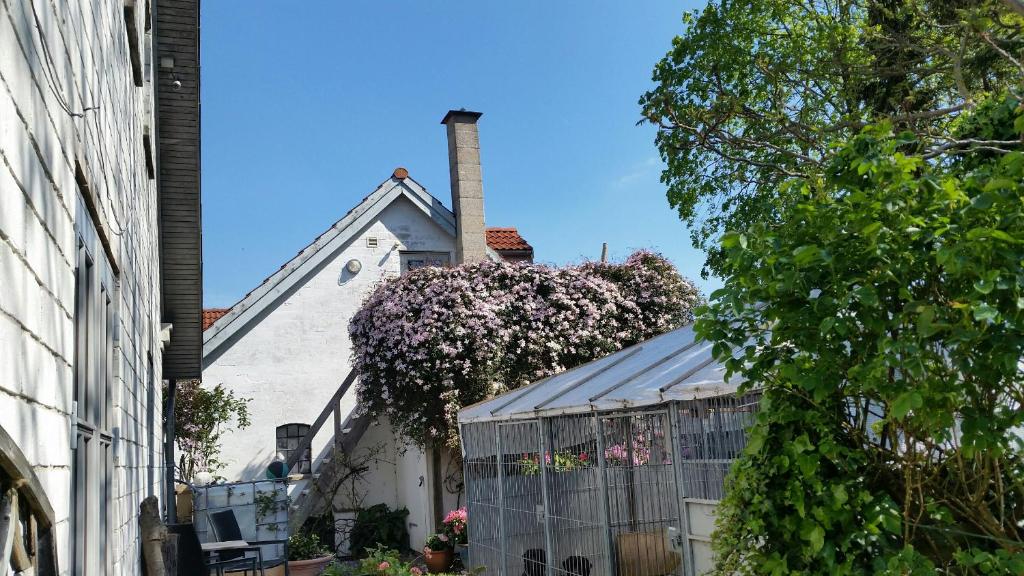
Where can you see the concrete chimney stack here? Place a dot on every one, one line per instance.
(467, 185)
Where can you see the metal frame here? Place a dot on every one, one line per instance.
(686, 447)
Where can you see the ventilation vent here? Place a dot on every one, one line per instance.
(371, 242)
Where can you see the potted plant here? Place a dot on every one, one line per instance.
(438, 553)
(307, 556)
(455, 527)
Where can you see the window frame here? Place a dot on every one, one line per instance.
(430, 257)
(304, 465)
(95, 327)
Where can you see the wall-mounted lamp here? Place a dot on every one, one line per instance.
(354, 266)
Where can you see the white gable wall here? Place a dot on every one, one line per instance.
(292, 360)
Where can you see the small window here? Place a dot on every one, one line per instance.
(289, 436)
(371, 242)
(414, 260)
(132, 29)
(147, 148)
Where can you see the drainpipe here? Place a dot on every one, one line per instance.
(170, 504)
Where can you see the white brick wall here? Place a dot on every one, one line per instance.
(39, 146)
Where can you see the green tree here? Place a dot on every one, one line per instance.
(882, 315)
(201, 416)
(754, 92)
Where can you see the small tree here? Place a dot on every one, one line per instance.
(201, 416)
(429, 342)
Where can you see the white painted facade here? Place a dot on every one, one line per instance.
(291, 356)
(87, 63)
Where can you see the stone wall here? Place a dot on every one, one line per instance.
(73, 106)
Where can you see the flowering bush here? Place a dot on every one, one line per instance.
(455, 526)
(436, 339)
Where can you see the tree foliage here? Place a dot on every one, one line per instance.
(201, 416)
(889, 439)
(429, 342)
(754, 93)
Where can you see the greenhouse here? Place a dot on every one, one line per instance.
(612, 468)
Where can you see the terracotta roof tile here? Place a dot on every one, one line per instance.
(211, 315)
(506, 239)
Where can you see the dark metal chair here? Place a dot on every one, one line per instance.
(225, 529)
(192, 559)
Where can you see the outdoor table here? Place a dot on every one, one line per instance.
(216, 547)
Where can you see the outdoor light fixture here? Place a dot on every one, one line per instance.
(354, 266)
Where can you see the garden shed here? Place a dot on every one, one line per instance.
(611, 468)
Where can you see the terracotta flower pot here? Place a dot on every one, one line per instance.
(438, 561)
(308, 567)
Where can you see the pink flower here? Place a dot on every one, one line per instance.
(442, 537)
(383, 566)
(415, 571)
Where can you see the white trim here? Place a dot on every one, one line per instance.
(328, 243)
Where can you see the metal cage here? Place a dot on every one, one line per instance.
(561, 489)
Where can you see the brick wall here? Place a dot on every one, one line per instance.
(86, 64)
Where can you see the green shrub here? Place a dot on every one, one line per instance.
(306, 546)
(376, 526)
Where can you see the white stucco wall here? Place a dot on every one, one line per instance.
(39, 146)
(291, 361)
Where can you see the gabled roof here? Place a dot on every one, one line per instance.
(506, 239)
(295, 270)
(211, 315)
(220, 324)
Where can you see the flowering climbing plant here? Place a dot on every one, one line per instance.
(429, 342)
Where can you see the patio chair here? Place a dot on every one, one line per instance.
(226, 529)
(193, 560)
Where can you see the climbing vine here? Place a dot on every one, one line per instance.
(429, 342)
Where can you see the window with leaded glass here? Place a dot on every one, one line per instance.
(289, 436)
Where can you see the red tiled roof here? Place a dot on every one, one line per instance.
(211, 315)
(506, 239)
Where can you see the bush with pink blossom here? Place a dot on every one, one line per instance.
(436, 339)
(455, 526)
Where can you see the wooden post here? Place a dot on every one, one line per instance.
(153, 534)
(604, 251)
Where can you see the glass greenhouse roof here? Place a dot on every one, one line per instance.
(669, 367)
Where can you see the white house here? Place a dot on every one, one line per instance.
(285, 345)
(100, 297)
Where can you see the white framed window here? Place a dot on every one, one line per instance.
(93, 463)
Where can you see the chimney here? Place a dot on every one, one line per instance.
(467, 185)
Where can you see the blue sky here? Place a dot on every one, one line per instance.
(308, 106)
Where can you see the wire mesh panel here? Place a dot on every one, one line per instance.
(712, 433)
(483, 504)
(522, 514)
(579, 535)
(643, 510)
